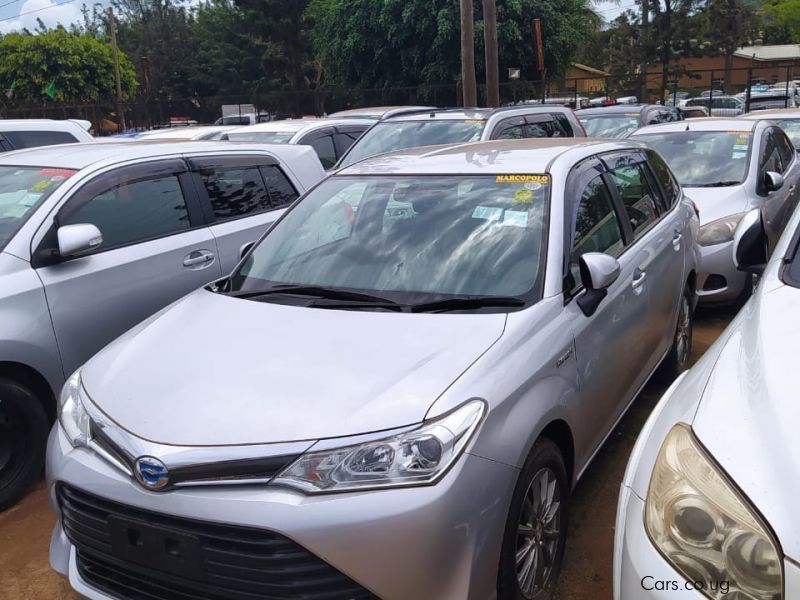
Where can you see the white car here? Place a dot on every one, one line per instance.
(202, 132)
(16, 134)
(708, 506)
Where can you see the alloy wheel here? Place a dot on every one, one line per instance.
(683, 334)
(538, 533)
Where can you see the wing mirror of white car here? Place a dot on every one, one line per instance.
(750, 243)
(772, 181)
(598, 272)
(245, 248)
(77, 239)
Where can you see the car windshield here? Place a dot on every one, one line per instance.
(409, 239)
(399, 135)
(264, 137)
(792, 129)
(610, 126)
(22, 189)
(703, 158)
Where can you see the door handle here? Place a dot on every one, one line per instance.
(639, 278)
(676, 240)
(198, 259)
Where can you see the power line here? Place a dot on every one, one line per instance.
(9, 3)
(30, 12)
(619, 8)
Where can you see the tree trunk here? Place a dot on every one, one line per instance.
(468, 54)
(643, 45)
(490, 41)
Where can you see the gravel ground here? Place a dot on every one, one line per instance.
(25, 529)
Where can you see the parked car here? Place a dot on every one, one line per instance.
(773, 100)
(719, 106)
(412, 129)
(620, 120)
(787, 119)
(693, 112)
(16, 134)
(202, 132)
(708, 503)
(421, 357)
(728, 167)
(96, 237)
(374, 112)
(330, 138)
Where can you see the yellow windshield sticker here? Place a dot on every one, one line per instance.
(474, 121)
(523, 196)
(40, 186)
(541, 179)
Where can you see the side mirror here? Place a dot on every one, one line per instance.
(77, 239)
(750, 244)
(245, 248)
(598, 272)
(772, 181)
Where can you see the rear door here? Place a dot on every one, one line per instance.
(781, 204)
(156, 248)
(241, 196)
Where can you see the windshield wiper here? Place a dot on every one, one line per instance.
(314, 291)
(716, 184)
(468, 303)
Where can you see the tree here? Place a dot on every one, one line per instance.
(377, 43)
(729, 25)
(78, 68)
(781, 21)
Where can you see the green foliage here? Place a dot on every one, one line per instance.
(81, 66)
(782, 22)
(376, 43)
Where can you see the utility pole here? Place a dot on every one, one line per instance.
(468, 54)
(490, 41)
(644, 41)
(112, 27)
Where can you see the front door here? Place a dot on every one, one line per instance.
(155, 249)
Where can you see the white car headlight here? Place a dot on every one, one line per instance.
(719, 231)
(705, 527)
(71, 414)
(417, 457)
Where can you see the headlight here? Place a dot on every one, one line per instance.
(71, 414)
(719, 231)
(417, 457)
(702, 524)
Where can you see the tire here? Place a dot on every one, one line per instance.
(546, 538)
(23, 438)
(677, 360)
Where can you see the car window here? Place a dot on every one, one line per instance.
(785, 148)
(235, 191)
(543, 129)
(345, 139)
(792, 129)
(134, 211)
(32, 139)
(665, 178)
(770, 157)
(281, 190)
(597, 227)
(512, 131)
(324, 148)
(637, 197)
(563, 126)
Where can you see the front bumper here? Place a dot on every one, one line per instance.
(438, 542)
(716, 262)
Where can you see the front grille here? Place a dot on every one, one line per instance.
(191, 560)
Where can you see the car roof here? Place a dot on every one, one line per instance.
(528, 156)
(80, 156)
(372, 112)
(469, 114)
(296, 125)
(775, 113)
(41, 124)
(183, 133)
(703, 124)
(616, 109)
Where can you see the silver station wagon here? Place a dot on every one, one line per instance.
(393, 393)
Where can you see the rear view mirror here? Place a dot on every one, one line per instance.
(598, 272)
(772, 181)
(77, 239)
(245, 248)
(750, 244)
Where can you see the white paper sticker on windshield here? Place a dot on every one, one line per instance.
(516, 218)
(488, 213)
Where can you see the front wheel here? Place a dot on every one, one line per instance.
(23, 436)
(677, 361)
(536, 528)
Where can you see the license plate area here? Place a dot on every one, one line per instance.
(157, 548)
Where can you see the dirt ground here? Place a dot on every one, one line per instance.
(25, 529)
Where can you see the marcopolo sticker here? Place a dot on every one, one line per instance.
(541, 179)
(523, 196)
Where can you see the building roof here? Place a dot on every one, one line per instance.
(591, 70)
(778, 52)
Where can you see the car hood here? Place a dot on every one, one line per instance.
(717, 202)
(216, 370)
(749, 414)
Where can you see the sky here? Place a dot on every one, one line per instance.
(19, 14)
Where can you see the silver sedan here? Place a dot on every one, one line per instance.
(395, 391)
(727, 167)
